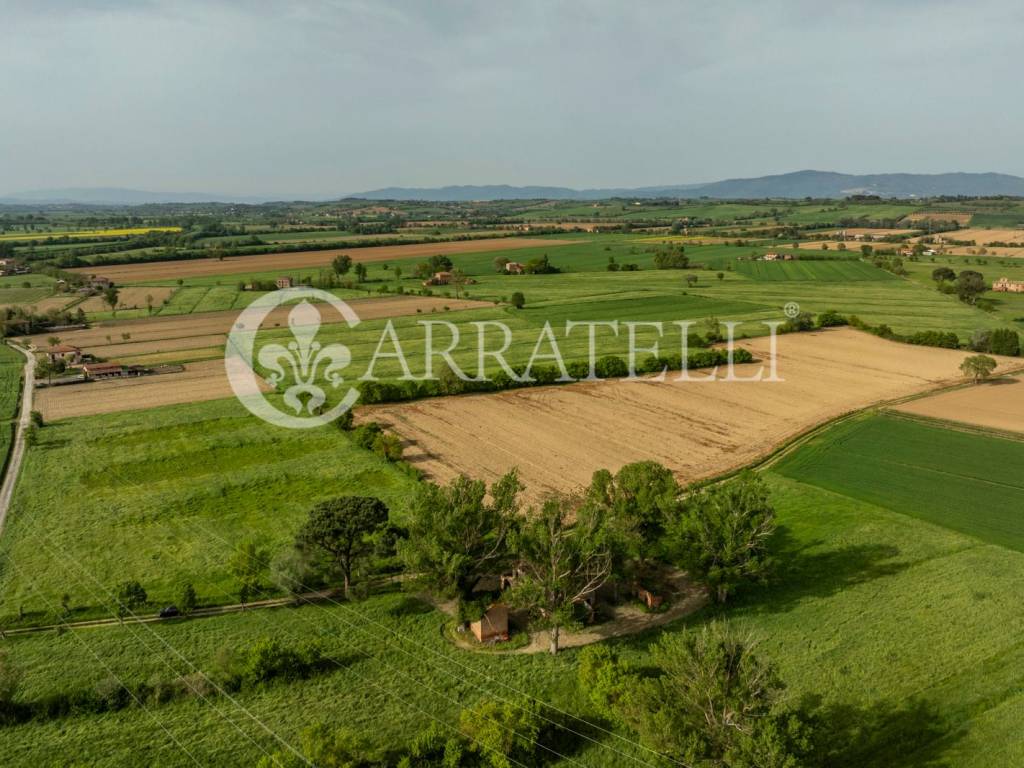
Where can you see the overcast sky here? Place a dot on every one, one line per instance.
(327, 98)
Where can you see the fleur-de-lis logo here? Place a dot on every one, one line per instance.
(304, 356)
(305, 367)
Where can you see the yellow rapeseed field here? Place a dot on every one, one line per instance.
(86, 233)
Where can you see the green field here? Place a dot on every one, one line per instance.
(11, 365)
(961, 480)
(819, 271)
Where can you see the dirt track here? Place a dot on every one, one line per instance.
(558, 436)
(238, 265)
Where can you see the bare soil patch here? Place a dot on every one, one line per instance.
(996, 404)
(237, 265)
(558, 436)
(202, 381)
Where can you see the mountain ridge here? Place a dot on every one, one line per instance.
(794, 185)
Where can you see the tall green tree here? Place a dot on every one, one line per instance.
(716, 702)
(969, 285)
(342, 264)
(638, 501)
(978, 367)
(721, 534)
(343, 528)
(456, 533)
(110, 297)
(561, 562)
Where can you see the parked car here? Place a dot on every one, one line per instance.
(169, 612)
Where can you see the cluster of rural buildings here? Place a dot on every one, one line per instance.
(91, 370)
(777, 257)
(9, 267)
(1005, 285)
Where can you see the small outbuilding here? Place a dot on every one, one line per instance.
(493, 625)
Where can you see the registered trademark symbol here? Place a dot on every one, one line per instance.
(792, 309)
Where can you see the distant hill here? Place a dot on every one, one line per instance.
(798, 184)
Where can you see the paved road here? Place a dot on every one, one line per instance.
(18, 449)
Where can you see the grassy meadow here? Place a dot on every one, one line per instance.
(164, 496)
(903, 635)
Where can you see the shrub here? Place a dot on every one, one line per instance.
(388, 447)
(611, 367)
(517, 300)
(945, 339)
(830, 319)
(365, 434)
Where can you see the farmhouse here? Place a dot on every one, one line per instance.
(283, 282)
(439, 278)
(1005, 285)
(63, 353)
(515, 268)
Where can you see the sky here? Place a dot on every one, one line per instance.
(322, 99)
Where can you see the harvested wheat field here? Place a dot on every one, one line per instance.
(266, 262)
(558, 436)
(982, 236)
(997, 404)
(198, 382)
(175, 333)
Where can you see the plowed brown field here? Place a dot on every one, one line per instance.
(558, 436)
(238, 265)
(994, 405)
(198, 382)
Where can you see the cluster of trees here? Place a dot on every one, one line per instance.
(1000, 341)
(708, 698)
(623, 528)
(671, 257)
(606, 367)
(968, 285)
